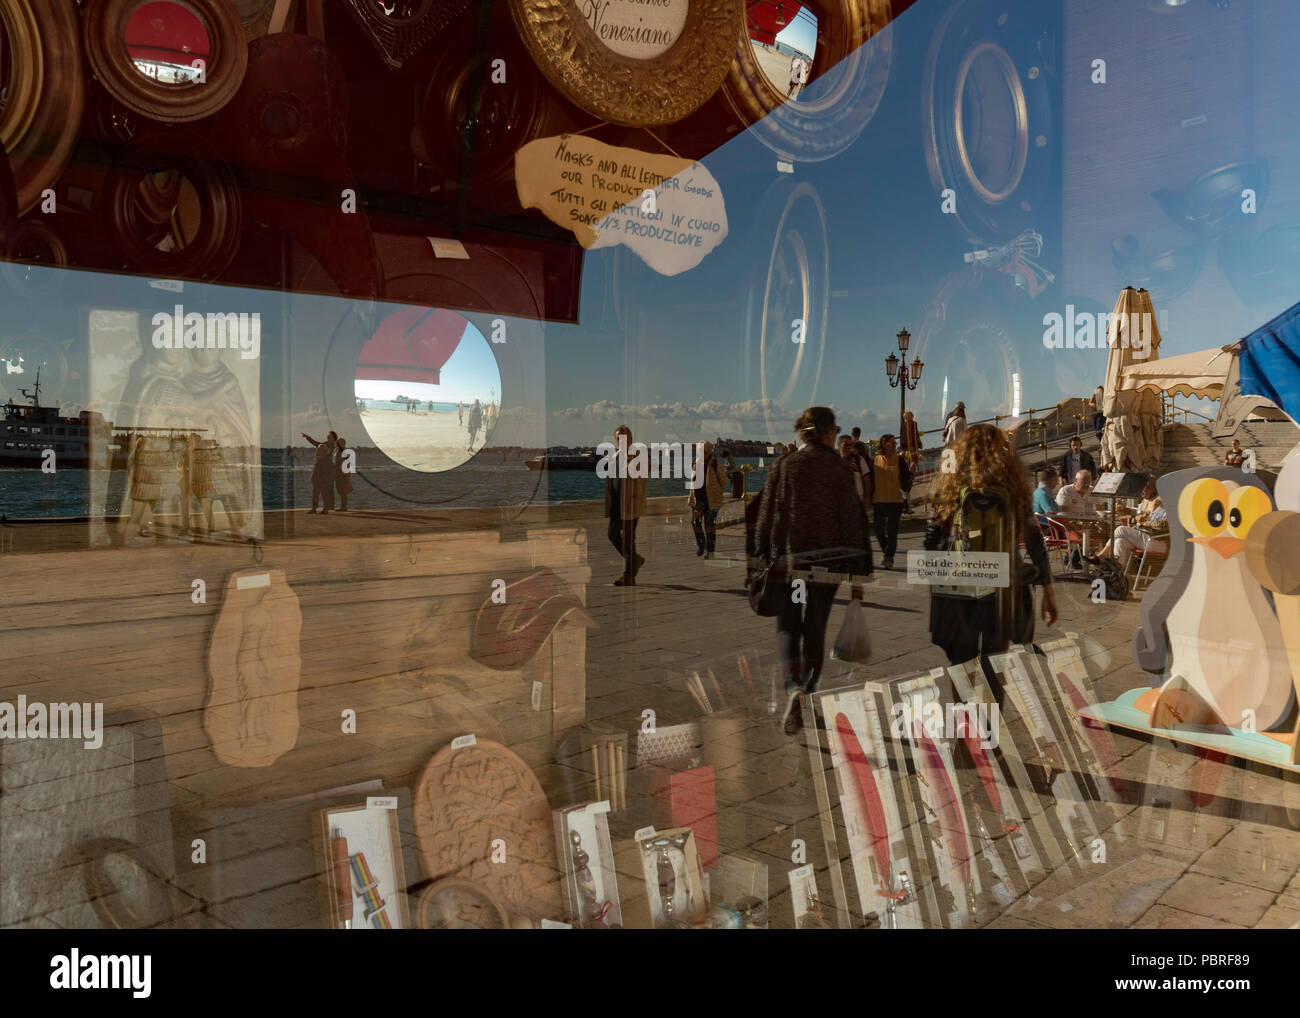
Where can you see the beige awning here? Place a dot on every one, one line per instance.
(1202, 373)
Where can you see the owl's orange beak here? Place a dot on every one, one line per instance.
(1226, 546)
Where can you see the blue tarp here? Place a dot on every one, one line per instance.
(1270, 362)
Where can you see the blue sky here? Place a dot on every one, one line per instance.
(801, 32)
(470, 373)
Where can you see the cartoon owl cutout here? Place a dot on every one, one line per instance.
(1210, 634)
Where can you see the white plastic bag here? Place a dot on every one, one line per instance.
(854, 642)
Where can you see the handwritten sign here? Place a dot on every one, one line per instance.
(640, 29)
(599, 192)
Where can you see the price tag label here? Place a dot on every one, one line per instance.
(381, 802)
(537, 695)
(252, 580)
(461, 741)
(644, 834)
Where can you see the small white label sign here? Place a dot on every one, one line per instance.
(461, 741)
(959, 568)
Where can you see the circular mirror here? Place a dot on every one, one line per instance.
(428, 389)
(166, 210)
(168, 43)
(783, 37)
(992, 122)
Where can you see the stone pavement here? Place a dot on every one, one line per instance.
(1230, 863)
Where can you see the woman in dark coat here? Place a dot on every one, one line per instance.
(991, 480)
(810, 510)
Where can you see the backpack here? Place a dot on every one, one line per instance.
(977, 529)
(1112, 576)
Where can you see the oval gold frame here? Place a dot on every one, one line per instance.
(985, 216)
(1011, 78)
(624, 90)
(217, 241)
(227, 60)
(48, 93)
(815, 130)
(451, 79)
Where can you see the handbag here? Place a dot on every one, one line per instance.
(768, 587)
(768, 582)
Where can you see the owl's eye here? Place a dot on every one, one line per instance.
(1203, 507)
(1247, 505)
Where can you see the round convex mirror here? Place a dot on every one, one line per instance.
(168, 43)
(428, 389)
(783, 37)
(167, 210)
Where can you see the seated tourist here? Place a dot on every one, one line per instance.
(1075, 498)
(1149, 528)
(1045, 494)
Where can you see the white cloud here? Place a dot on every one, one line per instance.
(708, 410)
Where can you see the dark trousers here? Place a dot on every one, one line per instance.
(322, 493)
(1098, 424)
(622, 535)
(801, 634)
(705, 524)
(888, 515)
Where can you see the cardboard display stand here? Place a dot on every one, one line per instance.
(869, 795)
(1026, 835)
(1071, 812)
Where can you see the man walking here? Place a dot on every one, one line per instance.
(797, 76)
(892, 480)
(625, 504)
(955, 426)
(1076, 459)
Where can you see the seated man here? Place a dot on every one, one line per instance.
(1075, 498)
(1045, 493)
(1146, 530)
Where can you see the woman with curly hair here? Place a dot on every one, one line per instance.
(988, 486)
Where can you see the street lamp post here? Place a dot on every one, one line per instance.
(902, 378)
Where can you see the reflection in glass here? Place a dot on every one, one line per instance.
(784, 39)
(427, 388)
(166, 210)
(168, 42)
